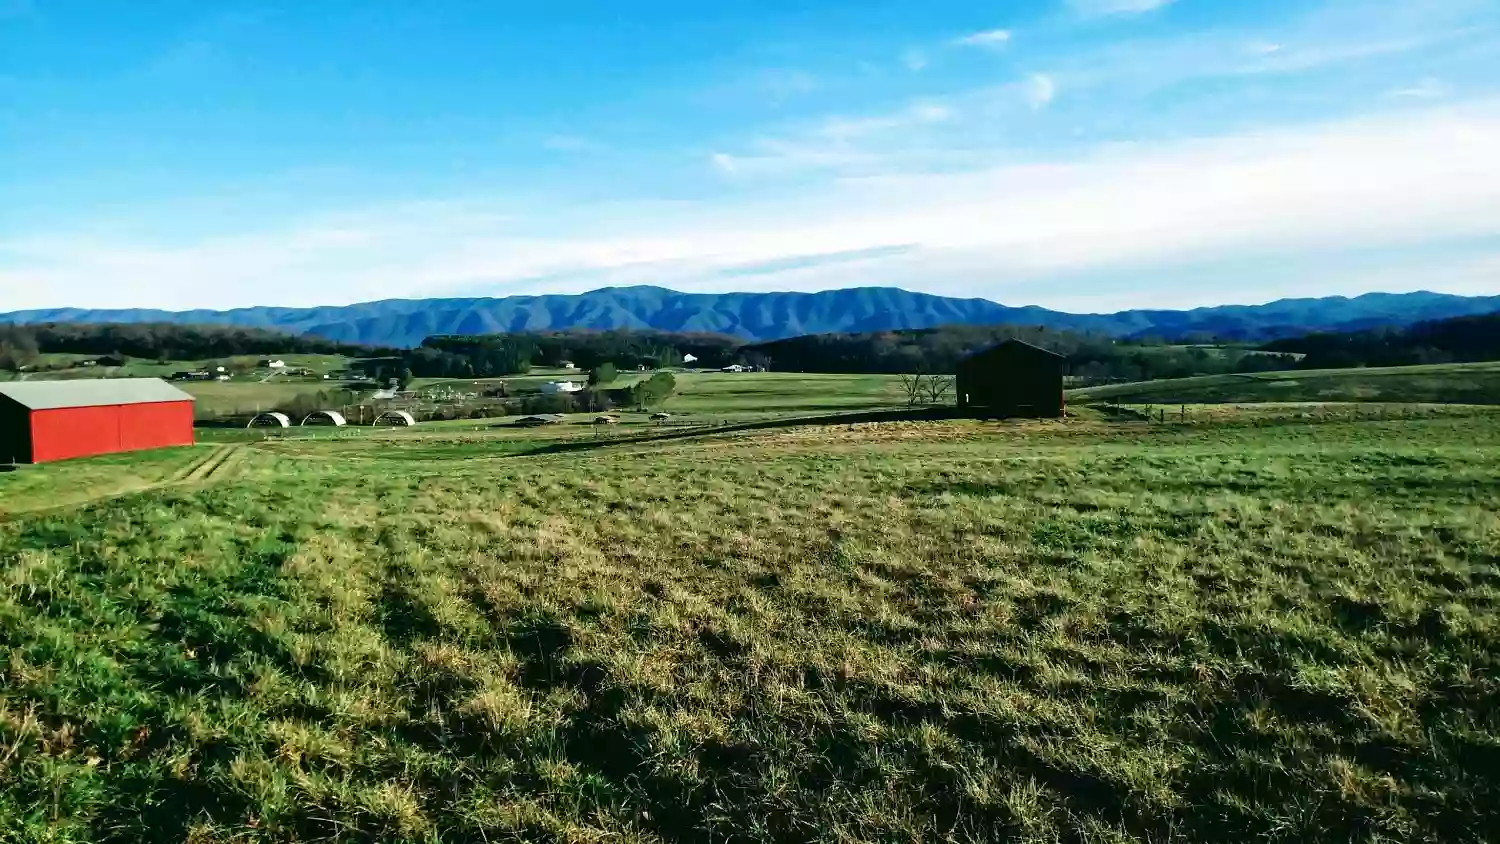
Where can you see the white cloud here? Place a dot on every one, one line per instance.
(1428, 89)
(914, 60)
(1104, 8)
(1040, 90)
(1409, 178)
(987, 38)
(724, 162)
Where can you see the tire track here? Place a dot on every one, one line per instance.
(193, 467)
(220, 464)
(207, 468)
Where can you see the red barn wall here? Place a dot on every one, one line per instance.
(156, 425)
(86, 431)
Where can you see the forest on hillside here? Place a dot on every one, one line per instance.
(1459, 340)
(21, 345)
(1092, 358)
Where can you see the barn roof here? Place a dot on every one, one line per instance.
(54, 395)
(1012, 344)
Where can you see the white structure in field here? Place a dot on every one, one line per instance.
(689, 358)
(555, 387)
(270, 420)
(276, 364)
(395, 419)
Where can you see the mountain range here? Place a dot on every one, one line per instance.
(773, 316)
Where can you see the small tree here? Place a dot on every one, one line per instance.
(915, 387)
(653, 390)
(604, 373)
(937, 388)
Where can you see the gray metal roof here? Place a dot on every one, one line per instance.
(101, 392)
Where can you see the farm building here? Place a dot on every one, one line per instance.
(395, 419)
(270, 420)
(42, 421)
(1012, 379)
(555, 387)
(325, 418)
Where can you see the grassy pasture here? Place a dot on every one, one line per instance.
(29, 488)
(1271, 628)
(1469, 383)
(731, 394)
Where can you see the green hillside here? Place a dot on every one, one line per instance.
(1471, 383)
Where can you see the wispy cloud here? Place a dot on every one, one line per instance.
(914, 59)
(1104, 8)
(1409, 177)
(1428, 89)
(987, 38)
(1040, 90)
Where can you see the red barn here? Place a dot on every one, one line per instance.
(55, 420)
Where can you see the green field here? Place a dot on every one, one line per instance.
(1465, 383)
(721, 393)
(782, 392)
(1263, 628)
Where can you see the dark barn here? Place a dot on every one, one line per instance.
(1012, 379)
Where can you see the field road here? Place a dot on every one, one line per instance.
(218, 463)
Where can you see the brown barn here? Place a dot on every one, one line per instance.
(1012, 379)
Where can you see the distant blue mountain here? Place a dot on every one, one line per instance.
(774, 316)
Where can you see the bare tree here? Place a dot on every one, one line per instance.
(914, 387)
(937, 388)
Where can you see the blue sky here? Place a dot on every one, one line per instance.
(1080, 154)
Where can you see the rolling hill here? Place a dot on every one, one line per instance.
(1460, 383)
(772, 316)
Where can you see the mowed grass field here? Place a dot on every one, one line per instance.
(1270, 629)
(1463, 383)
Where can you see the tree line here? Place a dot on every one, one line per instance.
(1459, 340)
(1095, 358)
(21, 345)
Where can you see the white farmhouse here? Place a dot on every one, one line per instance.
(556, 387)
